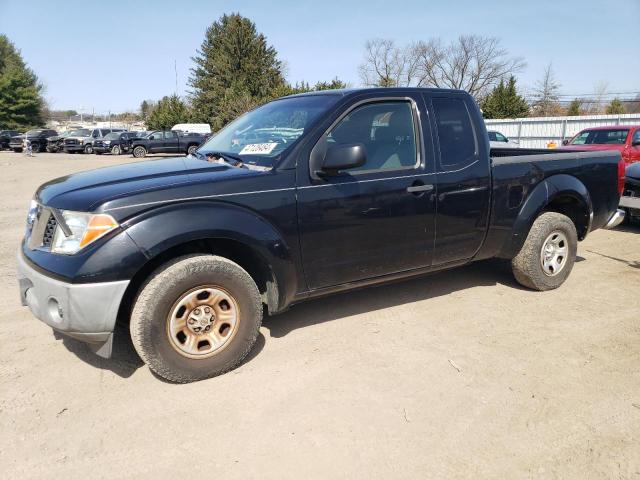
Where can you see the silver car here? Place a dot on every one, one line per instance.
(498, 140)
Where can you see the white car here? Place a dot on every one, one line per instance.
(498, 140)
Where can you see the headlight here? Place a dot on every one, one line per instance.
(81, 141)
(85, 229)
(107, 142)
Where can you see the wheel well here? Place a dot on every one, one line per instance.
(254, 264)
(574, 209)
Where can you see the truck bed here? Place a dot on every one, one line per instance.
(517, 172)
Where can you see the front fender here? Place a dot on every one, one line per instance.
(158, 230)
(544, 194)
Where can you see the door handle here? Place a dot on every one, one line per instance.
(419, 188)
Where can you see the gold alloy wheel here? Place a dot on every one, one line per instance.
(202, 322)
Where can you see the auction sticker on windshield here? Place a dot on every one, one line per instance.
(258, 148)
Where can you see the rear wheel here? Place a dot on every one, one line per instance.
(17, 150)
(139, 152)
(548, 254)
(196, 317)
(191, 150)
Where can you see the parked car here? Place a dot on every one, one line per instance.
(5, 137)
(38, 139)
(116, 143)
(166, 141)
(56, 143)
(498, 140)
(294, 200)
(622, 138)
(630, 199)
(82, 140)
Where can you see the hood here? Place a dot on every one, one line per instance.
(86, 191)
(633, 171)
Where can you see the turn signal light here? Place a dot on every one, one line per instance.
(98, 225)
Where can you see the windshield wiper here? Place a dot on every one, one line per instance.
(230, 159)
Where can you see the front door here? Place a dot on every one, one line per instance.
(156, 142)
(376, 219)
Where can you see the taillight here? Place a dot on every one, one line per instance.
(621, 166)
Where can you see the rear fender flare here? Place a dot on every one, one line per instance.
(544, 195)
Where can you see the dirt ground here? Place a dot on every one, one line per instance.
(459, 375)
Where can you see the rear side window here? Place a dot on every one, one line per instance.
(455, 132)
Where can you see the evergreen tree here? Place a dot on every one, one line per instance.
(334, 84)
(235, 70)
(167, 112)
(504, 102)
(145, 107)
(616, 107)
(575, 108)
(21, 102)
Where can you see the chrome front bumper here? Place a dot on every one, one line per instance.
(85, 311)
(615, 220)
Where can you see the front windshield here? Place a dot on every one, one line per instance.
(612, 136)
(269, 130)
(83, 132)
(112, 136)
(33, 132)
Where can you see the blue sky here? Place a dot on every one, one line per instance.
(110, 55)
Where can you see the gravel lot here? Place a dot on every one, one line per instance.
(458, 375)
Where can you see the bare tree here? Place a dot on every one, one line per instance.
(472, 63)
(384, 64)
(545, 94)
(597, 104)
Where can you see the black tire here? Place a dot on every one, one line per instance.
(527, 265)
(157, 298)
(17, 150)
(35, 148)
(115, 150)
(88, 149)
(139, 152)
(192, 149)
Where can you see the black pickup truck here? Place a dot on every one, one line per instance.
(302, 197)
(167, 141)
(38, 139)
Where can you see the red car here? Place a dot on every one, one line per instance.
(624, 138)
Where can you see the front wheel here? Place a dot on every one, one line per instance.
(17, 150)
(115, 150)
(88, 149)
(196, 317)
(139, 152)
(548, 254)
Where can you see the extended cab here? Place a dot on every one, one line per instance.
(167, 141)
(302, 197)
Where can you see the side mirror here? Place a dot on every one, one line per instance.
(636, 143)
(565, 142)
(343, 157)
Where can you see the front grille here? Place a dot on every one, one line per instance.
(49, 232)
(70, 141)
